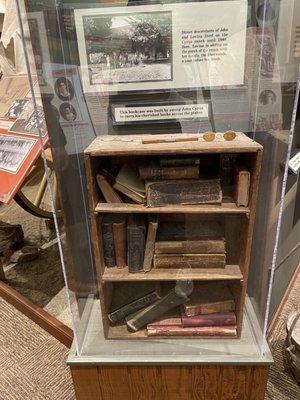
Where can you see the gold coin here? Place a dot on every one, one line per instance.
(209, 136)
(229, 135)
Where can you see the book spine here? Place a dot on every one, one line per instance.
(120, 314)
(189, 261)
(108, 244)
(156, 173)
(176, 321)
(241, 186)
(136, 248)
(228, 331)
(179, 161)
(190, 191)
(216, 319)
(190, 247)
(119, 233)
(222, 306)
(140, 319)
(150, 243)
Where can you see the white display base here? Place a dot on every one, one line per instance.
(95, 350)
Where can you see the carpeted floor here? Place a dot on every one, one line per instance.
(281, 385)
(32, 362)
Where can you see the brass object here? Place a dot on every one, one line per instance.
(229, 135)
(209, 136)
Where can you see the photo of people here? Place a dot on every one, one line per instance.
(64, 89)
(16, 108)
(68, 112)
(30, 121)
(267, 12)
(122, 48)
(267, 97)
(267, 46)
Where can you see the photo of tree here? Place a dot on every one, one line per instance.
(129, 47)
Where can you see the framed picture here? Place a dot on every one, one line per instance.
(13, 152)
(158, 112)
(162, 46)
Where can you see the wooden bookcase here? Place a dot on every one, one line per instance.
(238, 220)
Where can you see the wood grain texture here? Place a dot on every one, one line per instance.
(165, 382)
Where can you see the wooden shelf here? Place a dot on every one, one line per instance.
(230, 272)
(121, 332)
(224, 208)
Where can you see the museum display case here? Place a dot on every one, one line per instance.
(171, 126)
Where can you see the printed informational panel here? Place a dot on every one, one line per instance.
(167, 46)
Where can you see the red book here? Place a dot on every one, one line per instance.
(228, 331)
(216, 319)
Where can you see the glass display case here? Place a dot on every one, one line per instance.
(171, 126)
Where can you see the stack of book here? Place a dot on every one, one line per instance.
(210, 311)
(190, 245)
(127, 242)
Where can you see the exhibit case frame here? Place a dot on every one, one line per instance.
(171, 126)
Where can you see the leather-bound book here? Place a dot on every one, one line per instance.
(204, 246)
(177, 161)
(189, 260)
(109, 194)
(136, 238)
(185, 192)
(119, 232)
(227, 162)
(215, 319)
(108, 241)
(120, 314)
(208, 298)
(150, 242)
(228, 331)
(157, 172)
(241, 186)
(190, 230)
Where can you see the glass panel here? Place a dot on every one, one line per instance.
(145, 106)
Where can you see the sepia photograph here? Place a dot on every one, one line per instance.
(68, 112)
(125, 48)
(16, 108)
(13, 151)
(64, 89)
(30, 122)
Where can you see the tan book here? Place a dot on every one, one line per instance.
(150, 242)
(190, 247)
(208, 298)
(135, 196)
(107, 190)
(189, 260)
(128, 183)
(173, 330)
(241, 186)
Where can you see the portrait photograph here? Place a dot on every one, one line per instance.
(129, 48)
(267, 12)
(68, 112)
(267, 97)
(64, 89)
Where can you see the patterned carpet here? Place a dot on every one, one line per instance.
(282, 385)
(32, 362)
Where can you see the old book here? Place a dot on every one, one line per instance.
(189, 260)
(119, 233)
(227, 162)
(171, 321)
(215, 319)
(108, 241)
(189, 191)
(241, 186)
(190, 230)
(109, 194)
(128, 183)
(228, 331)
(208, 298)
(178, 161)
(175, 297)
(120, 314)
(136, 238)
(204, 246)
(150, 242)
(157, 172)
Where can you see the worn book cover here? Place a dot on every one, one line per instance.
(215, 319)
(150, 242)
(109, 194)
(129, 183)
(241, 186)
(208, 298)
(177, 161)
(205, 246)
(108, 241)
(189, 260)
(119, 233)
(189, 191)
(190, 230)
(228, 331)
(157, 172)
(136, 239)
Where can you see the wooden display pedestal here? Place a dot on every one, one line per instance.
(164, 382)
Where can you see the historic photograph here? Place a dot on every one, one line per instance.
(16, 108)
(125, 48)
(13, 151)
(30, 122)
